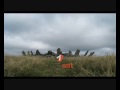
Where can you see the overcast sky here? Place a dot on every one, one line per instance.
(68, 31)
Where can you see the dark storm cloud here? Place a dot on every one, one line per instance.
(67, 31)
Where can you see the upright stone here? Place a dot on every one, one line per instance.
(77, 52)
(28, 53)
(37, 52)
(49, 52)
(59, 51)
(31, 53)
(70, 53)
(91, 53)
(86, 53)
(23, 52)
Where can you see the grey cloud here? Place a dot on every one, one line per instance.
(67, 31)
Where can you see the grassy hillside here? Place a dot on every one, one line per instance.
(36, 66)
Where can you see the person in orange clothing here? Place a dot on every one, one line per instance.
(60, 58)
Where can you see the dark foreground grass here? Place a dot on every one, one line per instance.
(32, 66)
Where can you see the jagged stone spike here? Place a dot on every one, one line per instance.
(86, 53)
(91, 53)
(31, 53)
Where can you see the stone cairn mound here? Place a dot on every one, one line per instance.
(50, 53)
